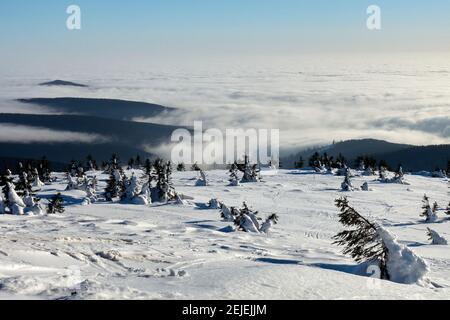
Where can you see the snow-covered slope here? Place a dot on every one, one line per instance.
(118, 251)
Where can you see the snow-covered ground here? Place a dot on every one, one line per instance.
(119, 251)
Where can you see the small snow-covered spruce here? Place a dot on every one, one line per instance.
(47, 176)
(429, 213)
(361, 165)
(181, 167)
(228, 214)
(250, 171)
(234, 179)
(28, 199)
(347, 183)
(163, 191)
(447, 211)
(15, 202)
(6, 181)
(247, 220)
(342, 170)
(369, 171)
(113, 164)
(133, 192)
(32, 204)
(383, 174)
(91, 163)
(24, 183)
(362, 242)
(55, 205)
(270, 221)
(112, 189)
(37, 183)
(399, 176)
(148, 168)
(132, 188)
(201, 181)
(2, 205)
(72, 182)
(365, 186)
(215, 204)
(436, 238)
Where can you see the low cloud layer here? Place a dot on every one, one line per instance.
(312, 100)
(11, 133)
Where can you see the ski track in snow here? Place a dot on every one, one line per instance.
(118, 251)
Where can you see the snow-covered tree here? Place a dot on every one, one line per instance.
(15, 202)
(347, 183)
(132, 188)
(247, 220)
(270, 221)
(91, 163)
(148, 168)
(436, 238)
(361, 241)
(163, 191)
(342, 170)
(133, 192)
(37, 183)
(250, 171)
(28, 199)
(72, 182)
(91, 193)
(201, 181)
(368, 171)
(365, 186)
(130, 164)
(430, 213)
(234, 178)
(32, 204)
(24, 183)
(215, 204)
(2, 205)
(399, 176)
(6, 181)
(368, 242)
(181, 167)
(228, 214)
(55, 205)
(47, 176)
(361, 165)
(146, 191)
(113, 188)
(112, 165)
(383, 174)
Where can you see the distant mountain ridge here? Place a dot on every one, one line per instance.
(63, 83)
(104, 108)
(127, 138)
(412, 158)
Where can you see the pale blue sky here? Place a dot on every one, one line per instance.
(150, 29)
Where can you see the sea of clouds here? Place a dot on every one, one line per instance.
(312, 100)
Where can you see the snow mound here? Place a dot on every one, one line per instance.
(403, 265)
